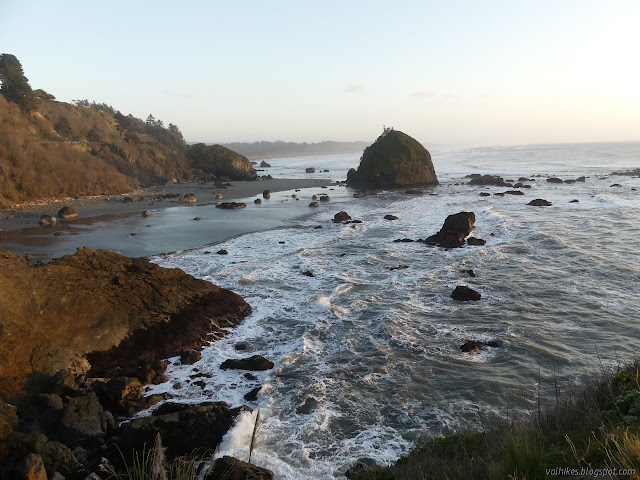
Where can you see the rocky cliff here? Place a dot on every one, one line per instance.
(98, 309)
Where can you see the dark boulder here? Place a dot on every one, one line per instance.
(341, 217)
(575, 200)
(257, 201)
(189, 198)
(252, 395)
(67, 212)
(47, 220)
(83, 419)
(222, 252)
(455, 229)
(120, 394)
(470, 272)
(403, 240)
(394, 159)
(254, 363)
(184, 429)
(266, 194)
(8, 419)
(390, 217)
(264, 164)
(310, 170)
(539, 202)
(555, 180)
(465, 294)
(230, 468)
(231, 205)
(189, 357)
(581, 179)
(325, 198)
(314, 204)
(146, 213)
(308, 273)
(485, 194)
(475, 241)
(514, 192)
(489, 180)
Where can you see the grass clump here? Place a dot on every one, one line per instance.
(152, 465)
(594, 432)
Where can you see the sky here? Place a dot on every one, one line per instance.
(468, 72)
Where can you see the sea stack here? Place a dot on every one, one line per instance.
(394, 159)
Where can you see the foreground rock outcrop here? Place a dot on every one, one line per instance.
(394, 159)
(102, 311)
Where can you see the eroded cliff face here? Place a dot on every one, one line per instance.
(98, 309)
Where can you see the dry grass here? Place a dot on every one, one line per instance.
(597, 427)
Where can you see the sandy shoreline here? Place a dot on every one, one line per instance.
(28, 214)
(109, 223)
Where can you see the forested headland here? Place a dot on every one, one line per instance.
(51, 149)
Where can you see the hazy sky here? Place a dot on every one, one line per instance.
(473, 72)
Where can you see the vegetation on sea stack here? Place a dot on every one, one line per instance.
(394, 159)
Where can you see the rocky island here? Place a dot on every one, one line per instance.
(394, 160)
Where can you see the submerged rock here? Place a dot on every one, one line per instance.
(539, 202)
(471, 346)
(475, 241)
(254, 363)
(394, 159)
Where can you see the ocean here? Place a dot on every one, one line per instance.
(367, 357)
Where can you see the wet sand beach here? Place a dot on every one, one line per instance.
(108, 222)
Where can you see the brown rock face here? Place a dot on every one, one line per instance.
(102, 307)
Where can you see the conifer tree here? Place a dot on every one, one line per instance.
(15, 86)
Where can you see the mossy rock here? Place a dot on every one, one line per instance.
(394, 159)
